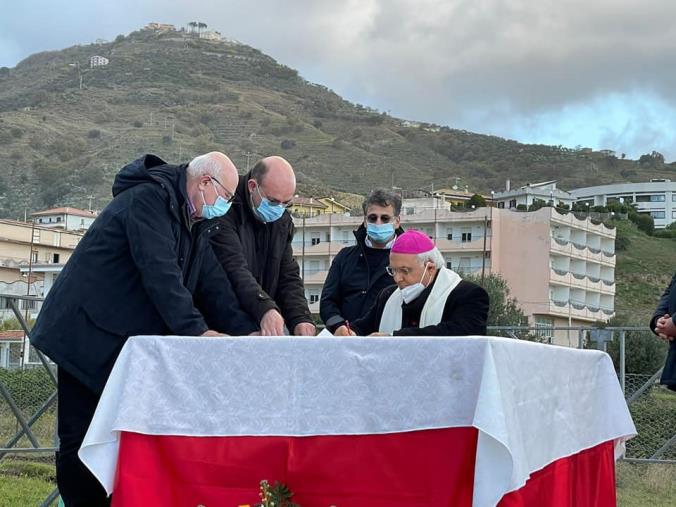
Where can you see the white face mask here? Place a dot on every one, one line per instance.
(411, 292)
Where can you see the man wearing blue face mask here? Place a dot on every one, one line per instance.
(253, 243)
(357, 274)
(143, 268)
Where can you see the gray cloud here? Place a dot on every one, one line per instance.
(486, 65)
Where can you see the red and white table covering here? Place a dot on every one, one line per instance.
(358, 421)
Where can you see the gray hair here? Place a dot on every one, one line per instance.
(384, 198)
(433, 256)
(205, 165)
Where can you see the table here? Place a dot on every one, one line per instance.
(358, 421)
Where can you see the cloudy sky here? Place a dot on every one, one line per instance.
(597, 73)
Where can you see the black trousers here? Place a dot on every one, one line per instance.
(77, 486)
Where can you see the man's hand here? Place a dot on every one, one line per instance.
(272, 324)
(665, 328)
(211, 332)
(305, 329)
(380, 334)
(344, 331)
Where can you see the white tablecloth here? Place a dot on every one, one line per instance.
(531, 403)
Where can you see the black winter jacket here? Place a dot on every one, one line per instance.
(258, 258)
(667, 305)
(465, 313)
(139, 269)
(351, 288)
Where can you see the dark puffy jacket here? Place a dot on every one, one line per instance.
(258, 258)
(351, 288)
(139, 269)
(667, 305)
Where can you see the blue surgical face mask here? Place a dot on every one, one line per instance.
(380, 233)
(219, 208)
(267, 211)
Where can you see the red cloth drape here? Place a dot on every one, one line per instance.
(414, 469)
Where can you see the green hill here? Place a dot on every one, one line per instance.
(644, 268)
(65, 128)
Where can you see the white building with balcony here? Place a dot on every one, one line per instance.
(560, 268)
(530, 193)
(656, 197)
(68, 219)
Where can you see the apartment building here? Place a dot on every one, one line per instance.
(68, 219)
(560, 268)
(31, 255)
(656, 197)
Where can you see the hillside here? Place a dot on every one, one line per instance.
(65, 128)
(644, 269)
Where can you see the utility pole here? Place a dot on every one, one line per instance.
(483, 256)
(91, 197)
(248, 156)
(302, 255)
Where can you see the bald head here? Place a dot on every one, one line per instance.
(275, 178)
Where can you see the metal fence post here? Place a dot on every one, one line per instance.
(623, 367)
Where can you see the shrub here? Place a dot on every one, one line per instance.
(94, 134)
(17, 133)
(287, 144)
(138, 124)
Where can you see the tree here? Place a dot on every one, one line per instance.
(644, 352)
(476, 201)
(504, 310)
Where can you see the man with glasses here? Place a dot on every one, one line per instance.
(253, 243)
(143, 268)
(428, 298)
(357, 274)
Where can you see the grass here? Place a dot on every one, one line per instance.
(643, 271)
(25, 483)
(645, 485)
(28, 484)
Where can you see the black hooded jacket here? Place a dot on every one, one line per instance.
(139, 269)
(353, 283)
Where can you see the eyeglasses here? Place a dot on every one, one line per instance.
(228, 196)
(373, 218)
(393, 271)
(274, 202)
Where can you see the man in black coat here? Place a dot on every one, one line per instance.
(141, 269)
(663, 324)
(357, 274)
(253, 243)
(427, 300)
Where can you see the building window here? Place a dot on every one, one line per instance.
(29, 304)
(466, 236)
(650, 198)
(58, 219)
(314, 298)
(449, 264)
(501, 204)
(449, 236)
(658, 214)
(512, 203)
(34, 256)
(55, 258)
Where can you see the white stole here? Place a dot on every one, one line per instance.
(432, 311)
